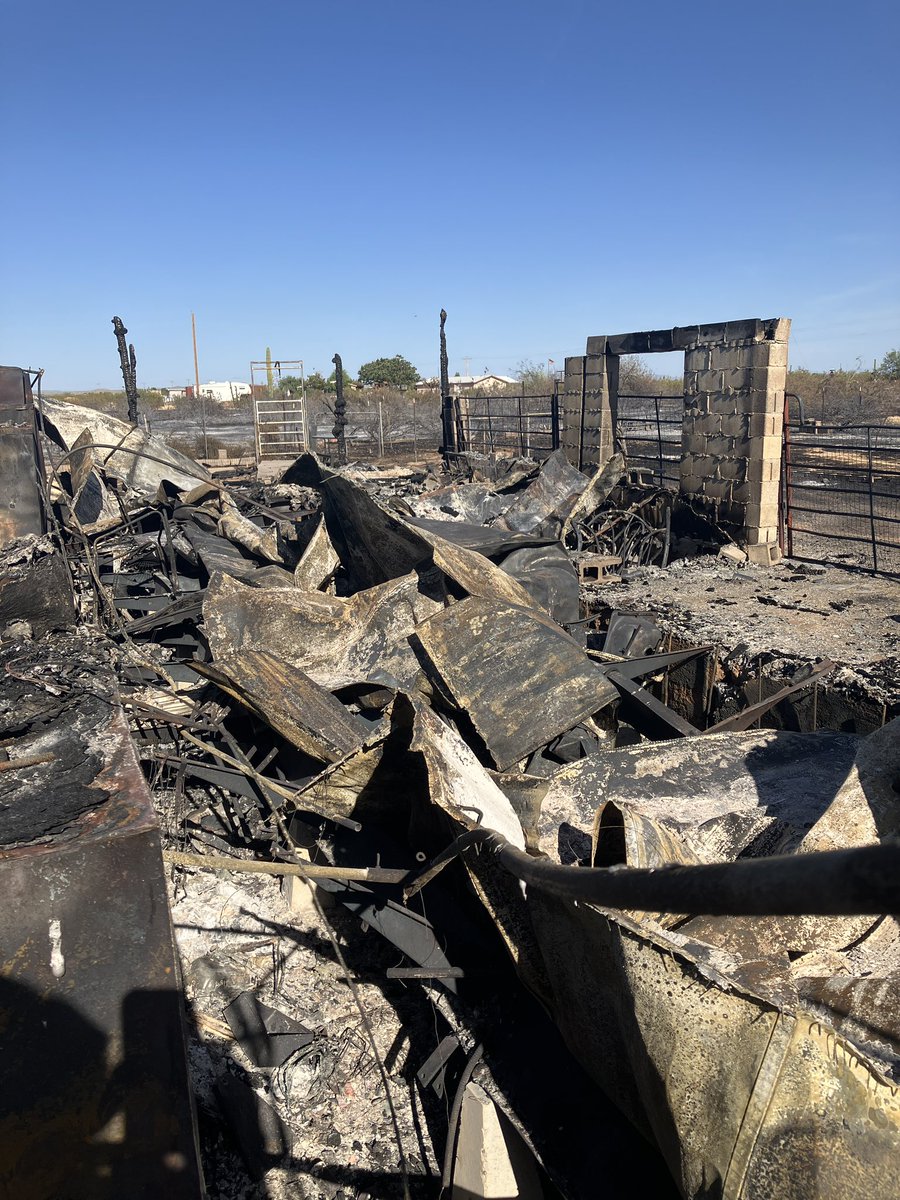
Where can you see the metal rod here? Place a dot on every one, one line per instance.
(871, 501)
(218, 862)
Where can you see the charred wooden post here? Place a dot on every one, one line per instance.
(448, 428)
(339, 430)
(129, 368)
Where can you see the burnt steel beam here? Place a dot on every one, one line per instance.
(656, 718)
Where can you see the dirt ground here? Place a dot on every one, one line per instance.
(236, 933)
(791, 611)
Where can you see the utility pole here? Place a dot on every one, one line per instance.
(202, 399)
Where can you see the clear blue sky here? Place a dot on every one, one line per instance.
(325, 176)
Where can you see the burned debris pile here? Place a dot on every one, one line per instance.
(384, 692)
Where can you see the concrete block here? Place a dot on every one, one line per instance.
(709, 380)
(755, 535)
(700, 422)
(732, 553)
(685, 337)
(768, 354)
(767, 403)
(701, 465)
(765, 424)
(736, 379)
(597, 344)
(733, 468)
(767, 379)
(741, 331)
(765, 555)
(761, 514)
(690, 483)
(711, 333)
(691, 385)
(627, 343)
(763, 448)
(766, 492)
(492, 1160)
(779, 329)
(736, 425)
(697, 359)
(662, 341)
(728, 358)
(717, 489)
(761, 470)
(720, 445)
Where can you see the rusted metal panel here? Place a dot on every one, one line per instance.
(95, 1102)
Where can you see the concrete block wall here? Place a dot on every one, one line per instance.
(588, 405)
(734, 380)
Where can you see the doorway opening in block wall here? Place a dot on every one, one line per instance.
(649, 408)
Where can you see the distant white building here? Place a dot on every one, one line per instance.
(460, 384)
(224, 393)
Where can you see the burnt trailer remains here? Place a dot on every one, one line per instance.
(490, 874)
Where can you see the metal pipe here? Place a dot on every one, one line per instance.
(861, 881)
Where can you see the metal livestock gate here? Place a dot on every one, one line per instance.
(842, 484)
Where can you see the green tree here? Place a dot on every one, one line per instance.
(890, 365)
(294, 384)
(331, 381)
(534, 378)
(388, 372)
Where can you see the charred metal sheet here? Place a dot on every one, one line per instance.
(717, 796)
(750, 1090)
(267, 1036)
(293, 704)
(545, 503)
(376, 546)
(96, 1100)
(22, 508)
(631, 635)
(336, 641)
(519, 677)
(318, 562)
(140, 459)
(540, 564)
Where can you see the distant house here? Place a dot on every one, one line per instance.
(462, 384)
(222, 393)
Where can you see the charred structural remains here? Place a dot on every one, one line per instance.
(628, 895)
